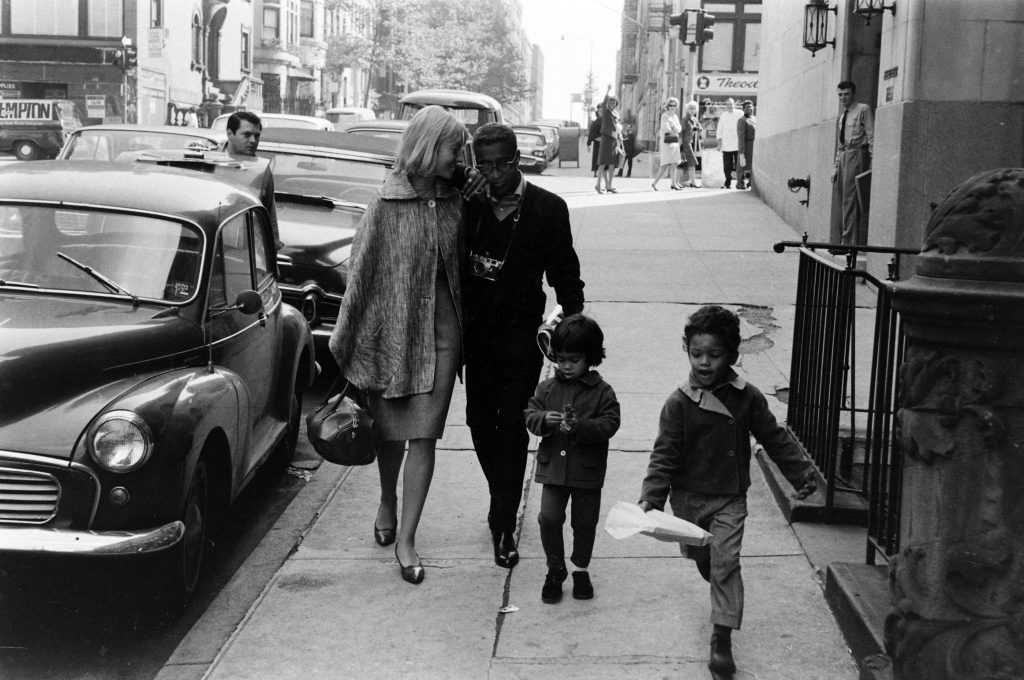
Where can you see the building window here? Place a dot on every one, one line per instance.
(737, 42)
(271, 23)
(246, 50)
(105, 19)
(306, 19)
(197, 42)
(156, 13)
(44, 17)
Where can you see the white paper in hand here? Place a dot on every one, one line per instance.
(626, 519)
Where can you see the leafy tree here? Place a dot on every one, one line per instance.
(359, 51)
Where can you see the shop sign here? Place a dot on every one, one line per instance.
(739, 84)
(10, 89)
(95, 105)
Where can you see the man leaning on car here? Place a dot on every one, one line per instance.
(244, 130)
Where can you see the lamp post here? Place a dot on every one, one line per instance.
(873, 8)
(125, 44)
(816, 26)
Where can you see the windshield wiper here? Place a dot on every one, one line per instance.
(19, 284)
(108, 283)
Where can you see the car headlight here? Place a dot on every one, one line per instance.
(120, 441)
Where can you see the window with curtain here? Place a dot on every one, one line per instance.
(246, 50)
(271, 23)
(197, 39)
(44, 17)
(105, 19)
(306, 18)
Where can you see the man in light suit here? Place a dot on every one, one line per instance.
(855, 133)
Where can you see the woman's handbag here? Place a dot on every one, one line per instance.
(341, 428)
(671, 138)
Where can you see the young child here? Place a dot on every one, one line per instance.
(575, 413)
(701, 463)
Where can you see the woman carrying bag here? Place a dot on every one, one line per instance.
(671, 128)
(399, 332)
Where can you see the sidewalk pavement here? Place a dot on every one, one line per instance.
(338, 608)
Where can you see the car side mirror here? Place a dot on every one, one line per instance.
(248, 302)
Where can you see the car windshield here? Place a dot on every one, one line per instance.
(471, 118)
(149, 257)
(309, 175)
(529, 139)
(112, 145)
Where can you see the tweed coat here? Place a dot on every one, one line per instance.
(578, 459)
(383, 340)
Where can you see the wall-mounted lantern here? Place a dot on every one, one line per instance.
(816, 26)
(872, 8)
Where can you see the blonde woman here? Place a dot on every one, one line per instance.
(691, 129)
(399, 330)
(671, 129)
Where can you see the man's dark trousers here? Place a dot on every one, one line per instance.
(729, 159)
(503, 366)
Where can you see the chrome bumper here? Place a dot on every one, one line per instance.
(34, 540)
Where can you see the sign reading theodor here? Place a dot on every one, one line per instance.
(28, 110)
(727, 84)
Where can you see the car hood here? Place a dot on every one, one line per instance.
(62, 360)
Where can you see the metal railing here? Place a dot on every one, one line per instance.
(825, 411)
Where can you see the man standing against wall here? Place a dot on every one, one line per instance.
(727, 139)
(746, 130)
(855, 134)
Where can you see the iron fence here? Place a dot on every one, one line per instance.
(825, 411)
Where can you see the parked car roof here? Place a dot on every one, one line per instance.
(84, 142)
(364, 144)
(123, 185)
(277, 120)
(460, 98)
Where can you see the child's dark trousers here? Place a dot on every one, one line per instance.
(724, 517)
(586, 509)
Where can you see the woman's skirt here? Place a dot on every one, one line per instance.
(422, 416)
(670, 153)
(687, 154)
(606, 152)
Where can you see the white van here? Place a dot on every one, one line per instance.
(343, 115)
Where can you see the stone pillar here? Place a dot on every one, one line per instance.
(957, 583)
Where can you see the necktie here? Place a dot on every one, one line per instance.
(842, 129)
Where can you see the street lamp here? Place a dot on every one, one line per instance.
(816, 26)
(872, 8)
(125, 44)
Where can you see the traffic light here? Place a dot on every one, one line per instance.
(117, 59)
(680, 21)
(705, 27)
(131, 58)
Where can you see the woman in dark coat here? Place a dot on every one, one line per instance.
(594, 138)
(610, 152)
(691, 129)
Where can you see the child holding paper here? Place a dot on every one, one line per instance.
(701, 463)
(575, 413)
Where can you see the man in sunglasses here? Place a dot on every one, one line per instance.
(516, 234)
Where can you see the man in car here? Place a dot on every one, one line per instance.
(244, 130)
(516, 234)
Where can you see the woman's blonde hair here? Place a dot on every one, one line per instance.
(692, 106)
(429, 131)
(670, 100)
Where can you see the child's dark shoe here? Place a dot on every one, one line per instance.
(721, 661)
(582, 588)
(552, 590)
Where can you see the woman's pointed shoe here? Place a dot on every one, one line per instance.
(413, 573)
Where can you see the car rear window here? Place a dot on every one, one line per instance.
(112, 145)
(529, 139)
(307, 175)
(148, 257)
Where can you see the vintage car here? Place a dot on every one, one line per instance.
(472, 108)
(533, 149)
(150, 365)
(120, 142)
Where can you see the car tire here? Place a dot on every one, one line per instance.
(26, 150)
(184, 562)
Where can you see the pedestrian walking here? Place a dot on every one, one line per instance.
(855, 133)
(399, 330)
(701, 463)
(746, 130)
(691, 133)
(728, 140)
(594, 137)
(517, 234)
(671, 128)
(610, 154)
(575, 414)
